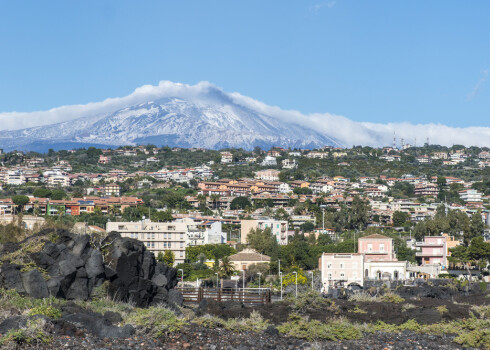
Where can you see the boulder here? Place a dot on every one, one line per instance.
(35, 284)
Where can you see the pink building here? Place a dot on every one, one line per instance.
(341, 269)
(377, 248)
(433, 250)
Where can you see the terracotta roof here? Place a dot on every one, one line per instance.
(250, 255)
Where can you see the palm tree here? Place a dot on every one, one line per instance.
(226, 267)
(215, 198)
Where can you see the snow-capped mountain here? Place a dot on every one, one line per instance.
(210, 120)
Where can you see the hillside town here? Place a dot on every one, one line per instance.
(402, 223)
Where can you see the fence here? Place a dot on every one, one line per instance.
(252, 296)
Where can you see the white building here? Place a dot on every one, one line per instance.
(15, 178)
(341, 269)
(269, 161)
(470, 195)
(279, 229)
(289, 164)
(209, 232)
(157, 236)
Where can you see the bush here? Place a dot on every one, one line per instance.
(311, 300)
(392, 298)
(156, 321)
(299, 327)
(46, 310)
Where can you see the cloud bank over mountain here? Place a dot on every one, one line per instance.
(343, 130)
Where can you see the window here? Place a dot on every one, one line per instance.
(329, 265)
(181, 236)
(182, 244)
(382, 247)
(329, 276)
(342, 275)
(120, 227)
(370, 247)
(169, 244)
(341, 265)
(181, 254)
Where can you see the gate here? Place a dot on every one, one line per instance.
(251, 296)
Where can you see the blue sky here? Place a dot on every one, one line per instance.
(373, 61)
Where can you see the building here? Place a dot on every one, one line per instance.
(376, 248)
(426, 189)
(433, 250)
(247, 257)
(157, 236)
(226, 157)
(104, 159)
(470, 195)
(269, 161)
(15, 178)
(289, 163)
(279, 229)
(111, 189)
(207, 232)
(341, 269)
(267, 175)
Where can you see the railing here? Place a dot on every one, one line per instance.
(252, 296)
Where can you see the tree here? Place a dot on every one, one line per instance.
(160, 257)
(41, 193)
(308, 226)
(477, 253)
(240, 203)
(20, 201)
(226, 267)
(58, 194)
(169, 258)
(264, 242)
(399, 218)
(476, 228)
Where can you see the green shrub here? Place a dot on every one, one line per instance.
(358, 310)
(46, 310)
(33, 333)
(442, 309)
(392, 298)
(255, 323)
(311, 300)
(156, 320)
(299, 327)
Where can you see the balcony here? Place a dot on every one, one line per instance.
(428, 255)
(376, 252)
(424, 244)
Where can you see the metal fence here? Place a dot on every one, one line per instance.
(251, 296)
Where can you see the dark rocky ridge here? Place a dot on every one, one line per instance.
(70, 268)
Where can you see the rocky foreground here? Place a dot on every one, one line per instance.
(60, 290)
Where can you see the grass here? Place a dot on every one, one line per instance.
(33, 333)
(358, 310)
(155, 321)
(314, 330)
(254, 323)
(311, 300)
(442, 309)
(367, 298)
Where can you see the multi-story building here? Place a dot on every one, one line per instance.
(377, 248)
(15, 178)
(426, 189)
(267, 175)
(433, 250)
(269, 161)
(470, 195)
(341, 269)
(157, 236)
(111, 189)
(226, 157)
(279, 229)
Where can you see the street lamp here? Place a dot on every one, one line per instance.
(217, 280)
(280, 276)
(311, 279)
(243, 279)
(296, 283)
(323, 224)
(260, 275)
(181, 276)
(279, 267)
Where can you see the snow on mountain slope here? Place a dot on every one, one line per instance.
(212, 120)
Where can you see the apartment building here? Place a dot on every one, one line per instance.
(433, 250)
(470, 195)
(279, 229)
(157, 236)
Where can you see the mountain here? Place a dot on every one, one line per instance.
(211, 119)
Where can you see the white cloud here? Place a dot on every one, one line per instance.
(478, 86)
(317, 7)
(346, 131)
